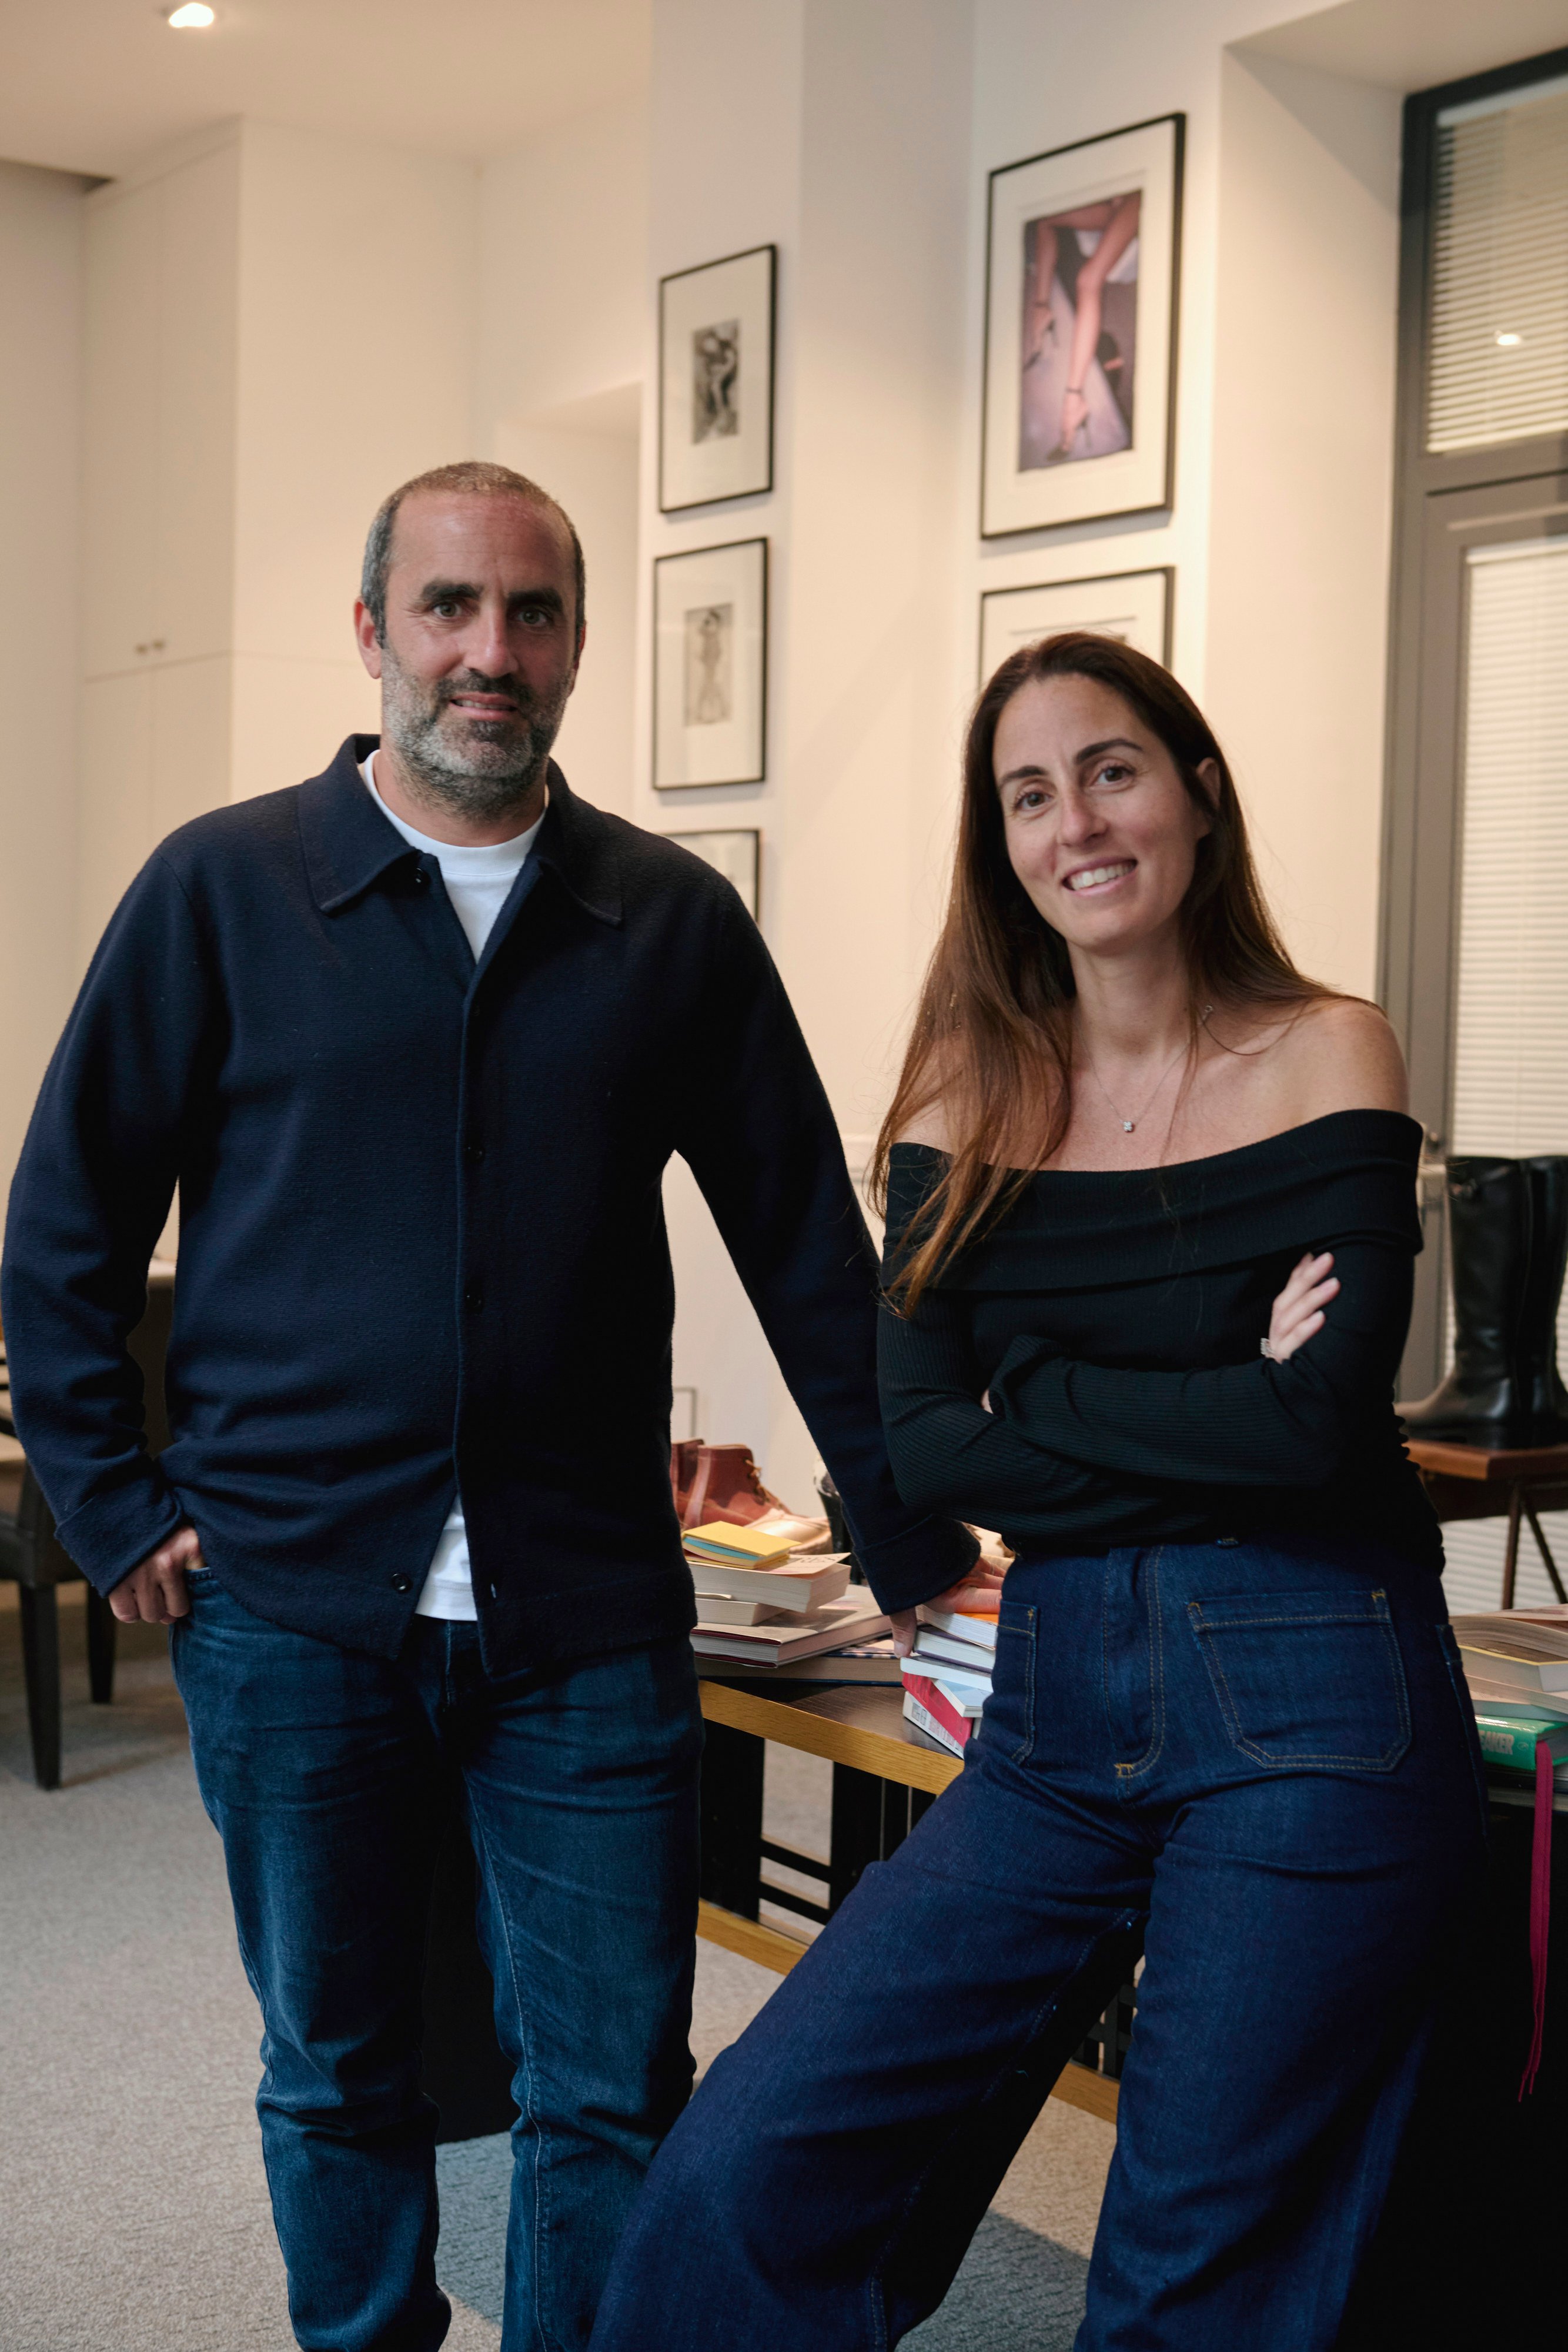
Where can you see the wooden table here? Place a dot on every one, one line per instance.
(885, 1776)
(1472, 1482)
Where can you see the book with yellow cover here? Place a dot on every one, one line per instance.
(746, 1547)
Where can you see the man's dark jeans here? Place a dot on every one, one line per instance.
(325, 1771)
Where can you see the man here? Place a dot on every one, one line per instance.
(415, 1040)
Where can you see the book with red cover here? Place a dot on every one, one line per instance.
(939, 1707)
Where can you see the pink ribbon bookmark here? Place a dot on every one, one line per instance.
(1540, 1900)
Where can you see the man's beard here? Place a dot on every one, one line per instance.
(475, 767)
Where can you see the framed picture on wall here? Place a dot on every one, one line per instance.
(1134, 607)
(710, 665)
(716, 380)
(1081, 328)
(736, 855)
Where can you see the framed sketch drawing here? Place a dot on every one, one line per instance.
(737, 855)
(715, 380)
(1081, 322)
(710, 665)
(1134, 607)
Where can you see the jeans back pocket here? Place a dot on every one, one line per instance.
(1307, 1678)
(1007, 1723)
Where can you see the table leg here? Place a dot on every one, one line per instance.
(1540, 1546)
(871, 1820)
(1105, 2047)
(1510, 1557)
(731, 1816)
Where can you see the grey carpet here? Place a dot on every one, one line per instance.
(133, 2213)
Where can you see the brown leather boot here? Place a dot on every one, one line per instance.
(727, 1488)
(683, 1471)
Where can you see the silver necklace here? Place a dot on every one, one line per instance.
(1129, 1125)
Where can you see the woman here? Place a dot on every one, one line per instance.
(1229, 1724)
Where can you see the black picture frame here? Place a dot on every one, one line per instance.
(749, 883)
(1081, 597)
(707, 568)
(1148, 485)
(683, 486)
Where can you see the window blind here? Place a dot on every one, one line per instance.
(1510, 1070)
(1497, 365)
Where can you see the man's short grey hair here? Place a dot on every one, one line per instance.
(478, 478)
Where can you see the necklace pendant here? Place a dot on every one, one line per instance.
(1126, 1127)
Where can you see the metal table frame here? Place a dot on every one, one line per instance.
(885, 1776)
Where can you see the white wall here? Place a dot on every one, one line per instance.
(357, 342)
(859, 141)
(280, 328)
(563, 266)
(839, 131)
(40, 416)
(157, 509)
(1302, 501)
(563, 260)
(589, 462)
(1278, 529)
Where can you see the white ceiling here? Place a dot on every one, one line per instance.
(1417, 44)
(94, 86)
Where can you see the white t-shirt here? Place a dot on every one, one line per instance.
(479, 880)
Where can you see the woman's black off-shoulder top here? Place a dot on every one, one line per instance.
(1115, 1318)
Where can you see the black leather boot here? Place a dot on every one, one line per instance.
(1485, 1401)
(1544, 1393)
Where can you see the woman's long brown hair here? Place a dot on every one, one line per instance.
(993, 1034)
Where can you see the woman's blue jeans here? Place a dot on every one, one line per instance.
(327, 1774)
(1254, 1759)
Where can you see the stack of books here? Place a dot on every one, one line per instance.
(764, 1605)
(948, 1680)
(1516, 1664)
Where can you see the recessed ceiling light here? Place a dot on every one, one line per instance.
(1508, 342)
(193, 17)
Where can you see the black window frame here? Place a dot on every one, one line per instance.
(1422, 801)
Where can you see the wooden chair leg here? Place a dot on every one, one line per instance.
(100, 1647)
(41, 1673)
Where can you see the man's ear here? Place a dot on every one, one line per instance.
(365, 637)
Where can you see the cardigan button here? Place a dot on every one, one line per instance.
(402, 1583)
(473, 1151)
(420, 879)
(474, 1296)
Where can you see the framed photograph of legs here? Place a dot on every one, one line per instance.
(1081, 327)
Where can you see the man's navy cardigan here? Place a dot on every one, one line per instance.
(421, 1239)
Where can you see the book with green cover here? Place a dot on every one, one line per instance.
(1510, 1741)
(1505, 1703)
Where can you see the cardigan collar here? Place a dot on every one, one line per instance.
(349, 846)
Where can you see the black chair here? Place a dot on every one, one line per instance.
(32, 1560)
